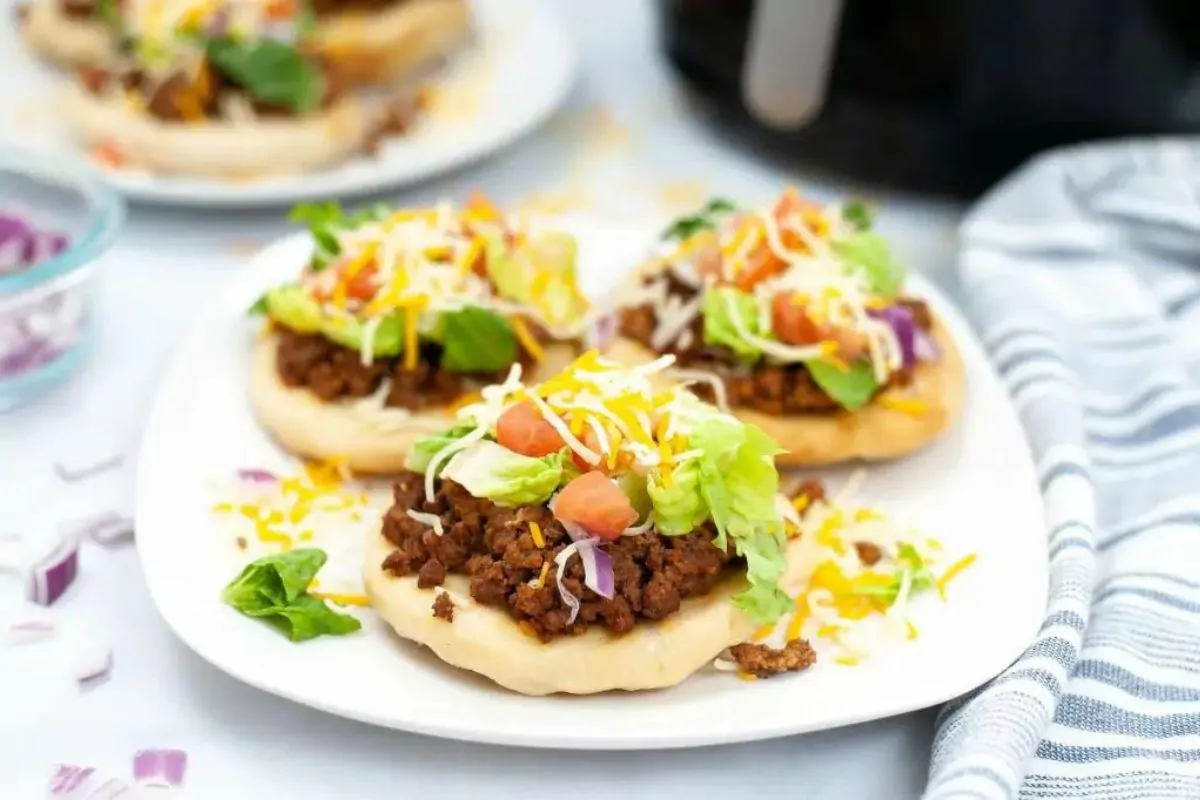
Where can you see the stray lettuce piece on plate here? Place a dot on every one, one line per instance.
(271, 72)
(477, 340)
(424, 449)
(486, 469)
(702, 220)
(851, 388)
(720, 306)
(869, 254)
(275, 589)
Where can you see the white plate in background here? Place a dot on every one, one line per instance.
(975, 490)
(515, 75)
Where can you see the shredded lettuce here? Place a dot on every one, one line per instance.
(272, 72)
(325, 219)
(702, 220)
(275, 589)
(869, 254)
(425, 448)
(678, 505)
(733, 482)
(292, 307)
(476, 340)
(851, 388)
(547, 260)
(486, 469)
(635, 488)
(857, 214)
(719, 329)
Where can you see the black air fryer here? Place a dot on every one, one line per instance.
(941, 95)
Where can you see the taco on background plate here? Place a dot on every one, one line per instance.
(402, 315)
(799, 313)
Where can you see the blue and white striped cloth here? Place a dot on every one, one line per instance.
(1083, 272)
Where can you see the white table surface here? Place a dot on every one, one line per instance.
(628, 144)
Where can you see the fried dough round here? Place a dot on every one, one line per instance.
(370, 443)
(65, 40)
(383, 46)
(873, 432)
(488, 641)
(258, 148)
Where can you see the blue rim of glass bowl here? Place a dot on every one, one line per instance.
(106, 213)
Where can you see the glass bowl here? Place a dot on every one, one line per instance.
(46, 324)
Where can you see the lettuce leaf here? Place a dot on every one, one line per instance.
(548, 259)
(869, 254)
(679, 507)
(272, 72)
(476, 340)
(851, 388)
(702, 220)
(719, 305)
(857, 214)
(425, 448)
(325, 219)
(486, 469)
(275, 589)
(738, 482)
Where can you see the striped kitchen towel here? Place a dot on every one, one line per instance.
(1083, 273)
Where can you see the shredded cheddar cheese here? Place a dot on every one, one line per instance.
(535, 531)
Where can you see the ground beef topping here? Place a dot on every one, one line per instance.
(762, 661)
(443, 607)
(205, 94)
(772, 389)
(494, 548)
(333, 372)
(78, 9)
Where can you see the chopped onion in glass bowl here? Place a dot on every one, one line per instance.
(57, 219)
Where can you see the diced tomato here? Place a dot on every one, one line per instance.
(480, 207)
(362, 285)
(588, 437)
(109, 155)
(791, 322)
(851, 344)
(706, 259)
(524, 430)
(761, 264)
(596, 504)
(280, 9)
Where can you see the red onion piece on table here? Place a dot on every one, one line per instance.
(50, 576)
(30, 631)
(68, 779)
(93, 665)
(159, 767)
(74, 474)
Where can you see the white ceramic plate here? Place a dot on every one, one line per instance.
(975, 490)
(512, 79)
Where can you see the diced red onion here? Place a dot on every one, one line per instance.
(257, 476)
(597, 570)
(111, 789)
(601, 332)
(159, 767)
(901, 321)
(924, 347)
(571, 601)
(50, 576)
(76, 474)
(107, 529)
(22, 246)
(93, 665)
(30, 631)
(68, 778)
